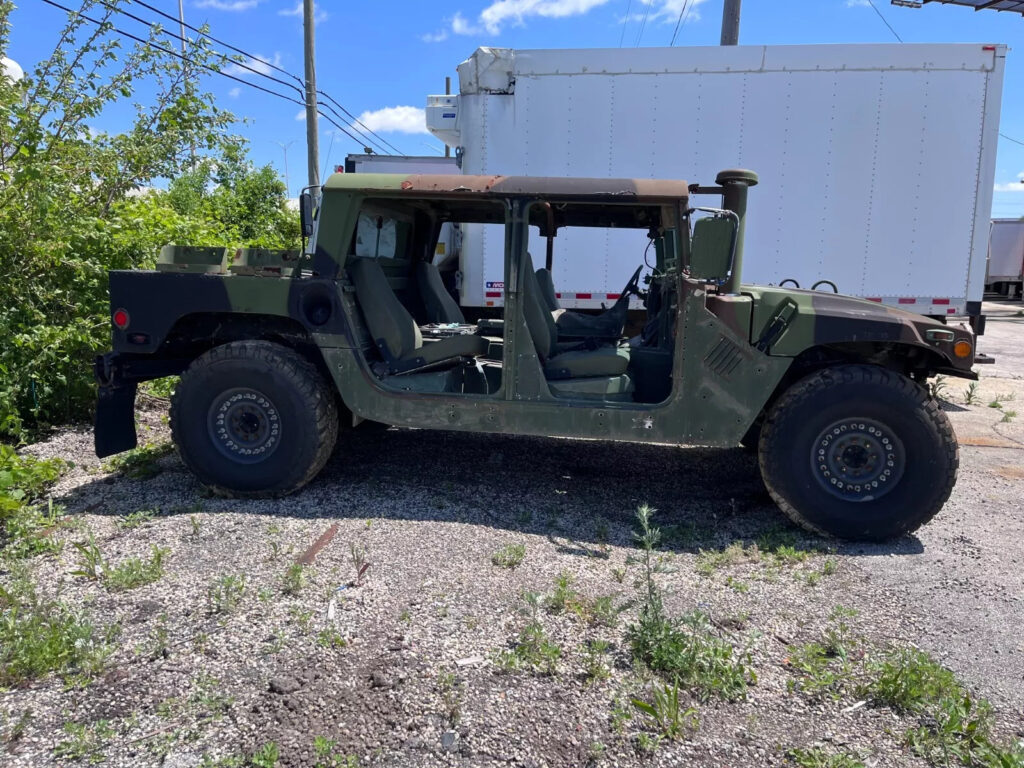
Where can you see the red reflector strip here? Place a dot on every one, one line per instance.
(612, 296)
(583, 295)
(988, 47)
(950, 311)
(558, 295)
(872, 298)
(907, 301)
(940, 301)
(493, 294)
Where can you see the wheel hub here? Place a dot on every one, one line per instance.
(857, 459)
(244, 425)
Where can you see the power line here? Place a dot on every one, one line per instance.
(643, 23)
(684, 12)
(252, 57)
(218, 54)
(358, 122)
(190, 60)
(625, 20)
(872, 3)
(1010, 138)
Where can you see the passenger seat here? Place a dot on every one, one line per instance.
(581, 372)
(440, 306)
(394, 330)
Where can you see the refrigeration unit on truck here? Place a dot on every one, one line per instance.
(879, 158)
(1006, 257)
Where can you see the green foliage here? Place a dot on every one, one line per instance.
(294, 579)
(664, 710)
(954, 727)
(509, 556)
(139, 463)
(533, 650)
(136, 519)
(595, 667)
(226, 593)
(25, 524)
(327, 756)
(686, 649)
(39, 636)
(825, 668)
(85, 742)
(135, 572)
(71, 207)
(266, 756)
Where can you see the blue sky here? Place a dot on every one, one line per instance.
(381, 59)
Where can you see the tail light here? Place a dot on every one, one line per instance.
(121, 319)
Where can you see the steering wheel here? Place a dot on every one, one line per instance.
(633, 286)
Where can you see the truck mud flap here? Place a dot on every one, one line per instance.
(115, 419)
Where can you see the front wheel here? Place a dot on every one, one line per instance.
(253, 418)
(858, 452)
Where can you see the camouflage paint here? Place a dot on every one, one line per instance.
(721, 379)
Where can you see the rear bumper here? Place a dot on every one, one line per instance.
(117, 378)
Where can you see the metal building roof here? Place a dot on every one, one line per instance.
(1014, 6)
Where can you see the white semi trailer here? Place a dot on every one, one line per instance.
(1006, 257)
(876, 161)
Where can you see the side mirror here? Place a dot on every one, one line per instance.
(712, 248)
(306, 214)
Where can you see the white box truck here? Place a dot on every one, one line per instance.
(1006, 257)
(876, 161)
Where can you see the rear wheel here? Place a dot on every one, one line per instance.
(858, 452)
(253, 418)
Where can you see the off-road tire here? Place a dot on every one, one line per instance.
(843, 395)
(302, 408)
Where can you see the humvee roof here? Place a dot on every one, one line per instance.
(635, 190)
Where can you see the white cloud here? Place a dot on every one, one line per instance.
(501, 12)
(858, 3)
(460, 26)
(234, 93)
(1012, 186)
(301, 115)
(296, 10)
(395, 120)
(259, 62)
(666, 11)
(435, 37)
(228, 5)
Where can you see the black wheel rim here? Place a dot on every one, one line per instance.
(857, 459)
(244, 425)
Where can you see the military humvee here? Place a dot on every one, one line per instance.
(280, 351)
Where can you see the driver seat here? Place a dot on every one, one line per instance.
(610, 324)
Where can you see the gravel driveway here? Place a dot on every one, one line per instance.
(230, 650)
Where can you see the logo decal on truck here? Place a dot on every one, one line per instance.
(496, 285)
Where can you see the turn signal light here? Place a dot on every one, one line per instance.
(121, 319)
(962, 349)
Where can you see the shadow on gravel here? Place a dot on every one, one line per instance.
(582, 495)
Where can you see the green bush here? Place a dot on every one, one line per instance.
(74, 203)
(23, 522)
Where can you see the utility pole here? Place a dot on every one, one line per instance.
(447, 92)
(312, 124)
(284, 148)
(731, 22)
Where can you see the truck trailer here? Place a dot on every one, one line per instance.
(1006, 257)
(879, 159)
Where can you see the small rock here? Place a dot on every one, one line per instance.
(448, 739)
(379, 680)
(284, 685)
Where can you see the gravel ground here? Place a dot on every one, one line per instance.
(416, 682)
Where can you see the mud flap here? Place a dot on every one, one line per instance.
(114, 430)
(115, 419)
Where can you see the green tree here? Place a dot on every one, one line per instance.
(74, 201)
